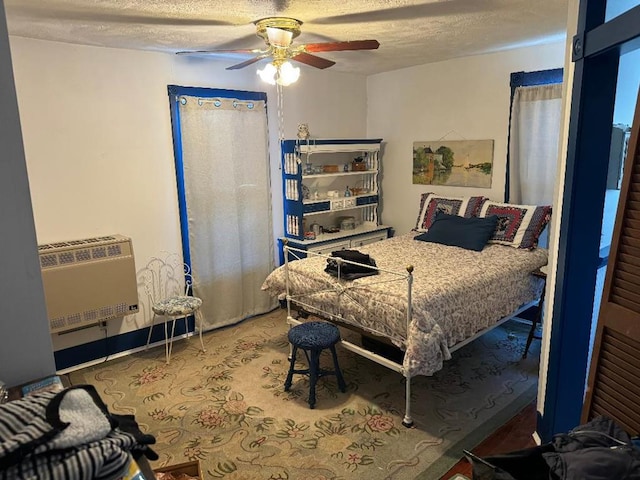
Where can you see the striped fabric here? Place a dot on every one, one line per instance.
(30, 429)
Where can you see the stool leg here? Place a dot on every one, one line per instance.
(341, 384)
(292, 365)
(314, 368)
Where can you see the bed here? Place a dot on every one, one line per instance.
(427, 298)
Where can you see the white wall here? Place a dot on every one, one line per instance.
(97, 137)
(464, 98)
(25, 351)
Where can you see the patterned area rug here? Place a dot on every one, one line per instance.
(227, 407)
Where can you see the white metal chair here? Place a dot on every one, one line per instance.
(168, 283)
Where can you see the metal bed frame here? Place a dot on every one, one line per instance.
(407, 276)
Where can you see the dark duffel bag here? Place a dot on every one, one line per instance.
(597, 450)
(527, 464)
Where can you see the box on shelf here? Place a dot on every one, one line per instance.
(347, 223)
(188, 468)
(330, 168)
(358, 166)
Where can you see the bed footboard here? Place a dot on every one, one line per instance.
(304, 304)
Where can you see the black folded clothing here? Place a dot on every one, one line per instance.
(352, 256)
(350, 271)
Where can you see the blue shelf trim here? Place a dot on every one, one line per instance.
(368, 200)
(317, 207)
(288, 146)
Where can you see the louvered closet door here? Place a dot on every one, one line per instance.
(614, 377)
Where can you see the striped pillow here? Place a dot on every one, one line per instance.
(431, 204)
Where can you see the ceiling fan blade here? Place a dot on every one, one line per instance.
(246, 63)
(337, 46)
(312, 60)
(214, 52)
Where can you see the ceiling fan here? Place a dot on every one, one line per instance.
(278, 33)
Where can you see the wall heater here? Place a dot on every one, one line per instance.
(88, 281)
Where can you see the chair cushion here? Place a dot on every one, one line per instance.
(314, 335)
(178, 305)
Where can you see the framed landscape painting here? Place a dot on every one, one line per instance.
(454, 163)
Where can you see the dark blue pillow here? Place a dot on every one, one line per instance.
(470, 233)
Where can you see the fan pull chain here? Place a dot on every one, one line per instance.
(280, 95)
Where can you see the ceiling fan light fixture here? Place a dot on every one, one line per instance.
(279, 37)
(283, 74)
(278, 34)
(268, 73)
(287, 74)
(285, 24)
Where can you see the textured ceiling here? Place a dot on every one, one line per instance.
(410, 32)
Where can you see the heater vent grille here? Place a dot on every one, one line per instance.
(88, 281)
(67, 253)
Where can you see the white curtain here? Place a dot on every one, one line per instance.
(227, 189)
(533, 147)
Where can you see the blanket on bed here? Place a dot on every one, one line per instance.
(455, 294)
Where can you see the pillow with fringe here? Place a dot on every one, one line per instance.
(431, 204)
(518, 226)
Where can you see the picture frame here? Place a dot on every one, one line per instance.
(453, 163)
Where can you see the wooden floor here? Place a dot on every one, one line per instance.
(514, 435)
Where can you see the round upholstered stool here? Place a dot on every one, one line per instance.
(313, 338)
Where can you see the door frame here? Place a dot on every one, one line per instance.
(596, 50)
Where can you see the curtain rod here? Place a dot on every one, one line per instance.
(218, 102)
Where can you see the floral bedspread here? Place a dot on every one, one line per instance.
(455, 293)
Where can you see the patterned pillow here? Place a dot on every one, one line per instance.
(431, 204)
(518, 225)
